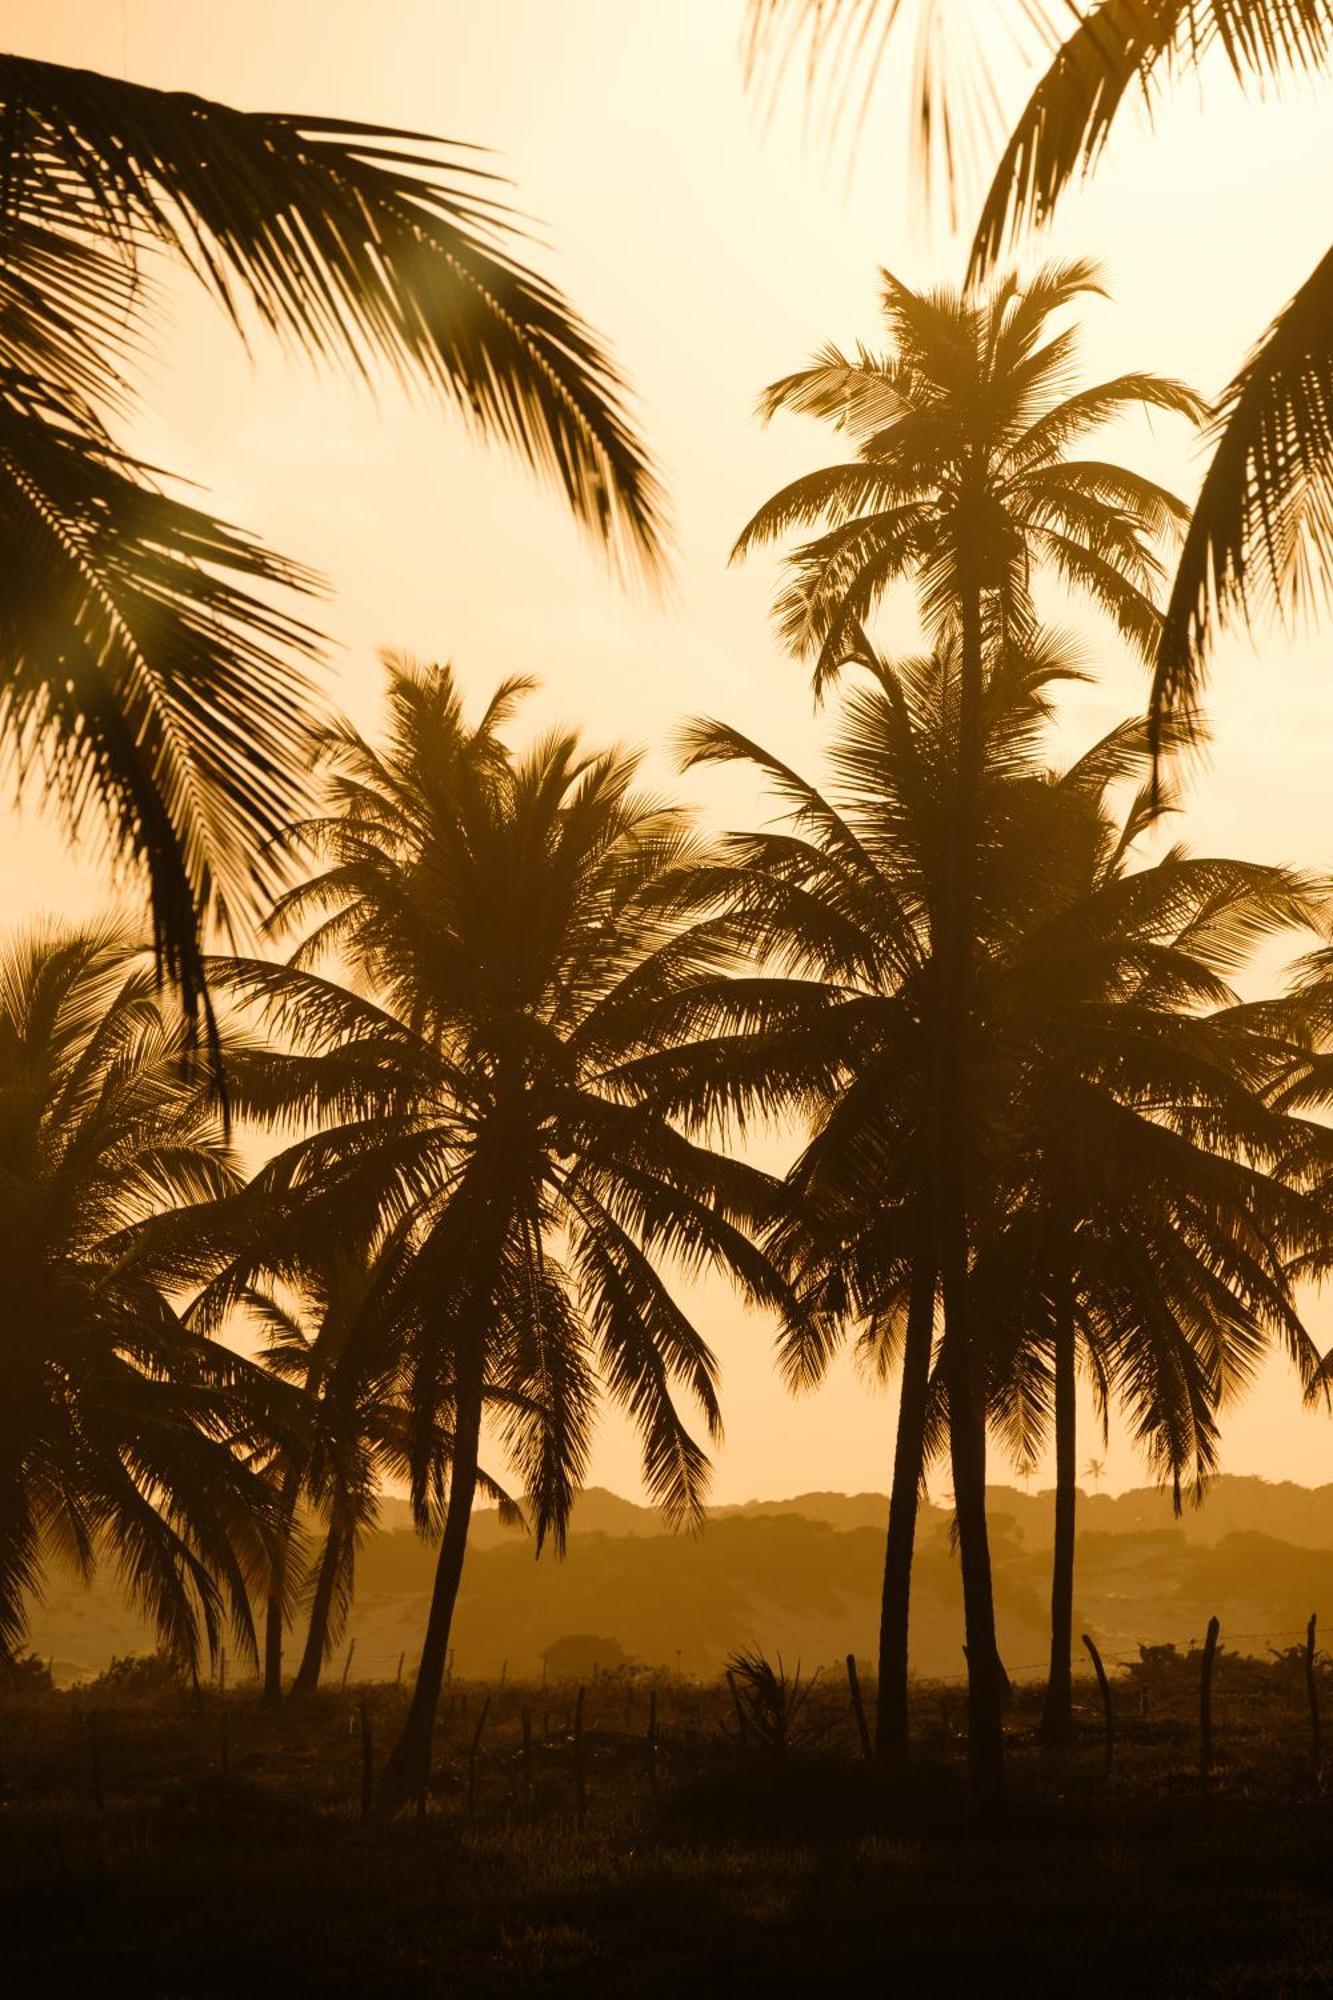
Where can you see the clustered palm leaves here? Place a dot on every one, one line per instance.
(145, 652)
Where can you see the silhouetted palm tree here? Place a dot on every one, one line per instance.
(122, 1433)
(324, 1336)
(140, 643)
(836, 1024)
(961, 482)
(1149, 1219)
(502, 910)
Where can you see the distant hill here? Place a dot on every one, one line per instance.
(801, 1577)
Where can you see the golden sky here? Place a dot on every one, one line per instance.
(715, 250)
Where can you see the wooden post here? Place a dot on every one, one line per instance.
(472, 1759)
(580, 1792)
(526, 1720)
(741, 1723)
(95, 1746)
(858, 1708)
(222, 1670)
(398, 1677)
(1312, 1691)
(449, 1670)
(1206, 1696)
(224, 1748)
(652, 1738)
(1108, 1712)
(504, 1669)
(367, 1763)
(347, 1663)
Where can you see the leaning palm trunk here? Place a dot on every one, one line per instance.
(321, 1613)
(1058, 1715)
(891, 1723)
(409, 1767)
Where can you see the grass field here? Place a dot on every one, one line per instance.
(159, 1844)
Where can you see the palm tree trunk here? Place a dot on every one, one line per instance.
(1057, 1720)
(321, 1613)
(891, 1722)
(409, 1766)
(967, 1452)
(274, 1612)
(954, 1162)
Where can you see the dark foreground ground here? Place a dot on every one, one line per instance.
(159, 1845)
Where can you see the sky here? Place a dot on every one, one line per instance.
(715, 245)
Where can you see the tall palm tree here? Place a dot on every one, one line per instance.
(123, 1434)
(960, 481)
(1149, 1217)
(141, 644)
(501, 910)
(836, 911)
(1263, 524)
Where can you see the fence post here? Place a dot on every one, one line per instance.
(580, 1793)
(398, 1677)
(1206, 1696)
(652, 1738)
(472, 1759)
(367, 1763)
(347, 1663)
(224, 1747)
(222, 1670)
(858, 1708)
(1104, 1686)
(1312, 1690)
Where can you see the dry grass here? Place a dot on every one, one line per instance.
(738, 1872)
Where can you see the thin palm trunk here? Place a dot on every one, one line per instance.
(274, 1610)
(1058, 1715)
(891, 1724)
(321, 1613)
(967, 1440)
(409, 1767)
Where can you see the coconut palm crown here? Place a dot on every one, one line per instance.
(498, 910)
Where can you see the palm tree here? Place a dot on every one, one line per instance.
(1095, 1470)
(141, 643)
(122, 1432)
(323, 1337)
(960, 482)
(1263, 523)
(500, 909)
(837, 908)
(332, 1461)
(1148, 1219)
